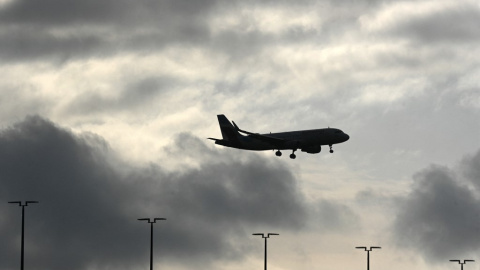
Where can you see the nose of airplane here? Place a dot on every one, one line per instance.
(346, 137)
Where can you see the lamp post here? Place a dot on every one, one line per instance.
(460, 262)
(151, 221)
(368, 254)
(265, 237)
(23, 229)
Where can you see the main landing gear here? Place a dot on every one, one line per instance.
(292, 155)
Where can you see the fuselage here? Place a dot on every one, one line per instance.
(296, 139)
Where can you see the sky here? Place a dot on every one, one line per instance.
(106, 107)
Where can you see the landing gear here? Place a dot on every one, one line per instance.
(292, 155)
(331, 150)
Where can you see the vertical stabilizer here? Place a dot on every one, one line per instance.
(229, 133)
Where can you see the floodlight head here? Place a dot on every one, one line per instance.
(456, 261)
(155, 219)
(375, 247)
(147, 219)
(273, 234)
(16, 202)
(20, 203)
(258, 234)
(362, 248)
(468, 260)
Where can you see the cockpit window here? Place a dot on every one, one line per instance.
(338, 131)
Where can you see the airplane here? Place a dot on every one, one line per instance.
(309, 141)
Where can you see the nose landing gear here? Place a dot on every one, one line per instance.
(278, 153)
(331, 150)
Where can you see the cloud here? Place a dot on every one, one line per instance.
(335, 217)
(470, 167)
(68, 12)
(62, 30)
(90, 200)
(427, 21)
(440, 218)
(136, 96)
(61, 12)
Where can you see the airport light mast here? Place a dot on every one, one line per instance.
(22, 256)
(460, 262)
(368, 254)
(151, 221)
(265, 237)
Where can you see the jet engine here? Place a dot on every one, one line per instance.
(312, 149)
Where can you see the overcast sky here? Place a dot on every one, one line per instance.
(106, 106)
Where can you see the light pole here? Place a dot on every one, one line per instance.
(23, 229)
(368, 254)
(265, 237)
(460, 262)
(151, 221)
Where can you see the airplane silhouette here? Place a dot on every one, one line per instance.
(309, 141)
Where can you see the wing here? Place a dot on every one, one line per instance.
(265, 138)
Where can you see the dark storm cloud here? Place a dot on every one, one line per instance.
(56, 29)
(89, 202)
(440, 219)
(471, 169)
(62, 12)
(54, 12)
(30, 42)
(454, 25)
(98, 28)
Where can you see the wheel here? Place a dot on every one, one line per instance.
(331, 151)
(293, 156)
(278, 153)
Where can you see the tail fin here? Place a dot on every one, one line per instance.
(229, 133)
